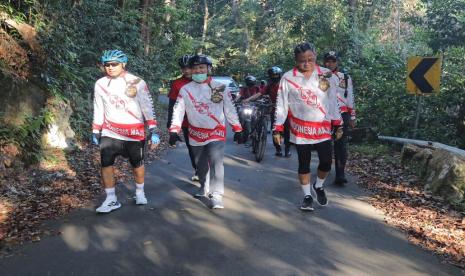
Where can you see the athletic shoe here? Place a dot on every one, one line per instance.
(195, 178)
(307, 203)
(201, 193)
(140, 199)
(279, 153)
(217, 202)
(320, 195)
(108, 205)
(287, 153)
(340, 181)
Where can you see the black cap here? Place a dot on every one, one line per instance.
(330, 55)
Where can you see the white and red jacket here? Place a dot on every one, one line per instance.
(206, 119)
(311, 111)
(119, 116)
(345, 101)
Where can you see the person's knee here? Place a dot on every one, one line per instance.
(324, 166)
(107, 159)
(136, 163)
(304, 169)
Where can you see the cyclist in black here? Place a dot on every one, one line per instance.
(274, 74)
(345, 98)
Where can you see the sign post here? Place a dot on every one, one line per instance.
(423, 79)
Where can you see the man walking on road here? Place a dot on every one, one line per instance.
(307, 97)
(122, 108)
(207, 104)
(345, 98)
(173, 95)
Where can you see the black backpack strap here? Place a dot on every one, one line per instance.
(346, 81)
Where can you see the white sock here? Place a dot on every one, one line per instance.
(319, 182)
(139, 188)
(306, 189)
(111, 195)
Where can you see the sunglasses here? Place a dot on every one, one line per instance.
(114, 64)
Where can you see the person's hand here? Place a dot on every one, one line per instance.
(173, 138)
(277, 137)
(338, 132)
(352, 123)
(153, 139)
(96, 138)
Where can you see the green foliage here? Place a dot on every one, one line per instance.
(444, 22)
(374, 149)
(251, 36)
(27, 136)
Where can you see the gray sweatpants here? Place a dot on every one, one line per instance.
(210, 157)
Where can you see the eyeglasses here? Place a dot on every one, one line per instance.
(115, 64)
(309, 61)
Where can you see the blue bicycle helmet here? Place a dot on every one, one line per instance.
(200, 59)
(114, 55)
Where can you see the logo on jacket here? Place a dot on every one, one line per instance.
(202, 108)
(308, 97)
(117, 102)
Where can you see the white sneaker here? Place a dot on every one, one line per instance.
(195, 178)
(108, 205)
(217, 202)
(140, 199)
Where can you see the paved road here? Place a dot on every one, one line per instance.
(261, 231)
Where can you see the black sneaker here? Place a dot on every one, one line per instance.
(320, 195)
(279, 153)
(287, 153)
(340, 181)
(307, 203)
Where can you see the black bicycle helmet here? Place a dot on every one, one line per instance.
(184, 61)
(200, 59)
(275, 72)
(331, 55)
(250, 80)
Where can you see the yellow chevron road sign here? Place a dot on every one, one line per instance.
(423, 75)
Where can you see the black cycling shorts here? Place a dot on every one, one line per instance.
(304, 153)
(110, 148)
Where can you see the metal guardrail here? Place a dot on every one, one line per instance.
(422, 143)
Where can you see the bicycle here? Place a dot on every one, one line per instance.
(253, 117)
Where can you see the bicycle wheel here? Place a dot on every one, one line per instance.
(261, 140)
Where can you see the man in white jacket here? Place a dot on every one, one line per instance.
(123, 107)
(207, 104)
(307, 97)
(345, 99)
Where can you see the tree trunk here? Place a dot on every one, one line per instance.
(352, 9)
(145, 25)
(169, 3)
(461, 126)
(205, 26)
(235, 11)
(120, 4)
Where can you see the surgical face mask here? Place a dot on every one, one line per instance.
(199, 77)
